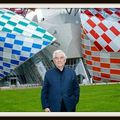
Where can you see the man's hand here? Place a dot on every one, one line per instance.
(47, 110)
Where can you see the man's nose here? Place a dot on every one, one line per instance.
(59, 59)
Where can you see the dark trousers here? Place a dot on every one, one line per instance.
(63, 108)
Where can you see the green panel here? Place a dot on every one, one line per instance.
(2, 23)
(35, 36)
(6, 30)
(22, 23)
(47, 37)
(40, 30)
(34, 24)
(12, 23)
(18, 30)
(5, 17)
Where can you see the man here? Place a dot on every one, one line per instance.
(60, 91)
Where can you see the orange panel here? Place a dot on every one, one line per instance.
(105, 65)
(105, 75)
(96, 78)
(114, 81)
(96, 59)
(96, 68)
(87, 52)
(84, 56)
(93, 48)
(115, 60)
(83, 46)
(88, 62)
(112, 71)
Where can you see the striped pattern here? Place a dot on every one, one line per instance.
(20, 39)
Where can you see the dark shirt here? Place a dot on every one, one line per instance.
(60, 85)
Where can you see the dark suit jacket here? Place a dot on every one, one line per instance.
(60, 85)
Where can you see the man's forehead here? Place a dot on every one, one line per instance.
(59, 54)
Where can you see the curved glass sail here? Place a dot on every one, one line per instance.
(102, 26)
(20, 39)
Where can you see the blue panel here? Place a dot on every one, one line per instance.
(15, 40)
(1, 58)
(1, 49)
(18, 42)
(16, 52)
(6, 64)
(23, 58)
(45, 43)
(10, 35)
(15, 62)
(6, 73)
(1, 75)
(1, 67)
(26, 49)
(36, 46)
(2, 39)
(31, 54)
(8, 45)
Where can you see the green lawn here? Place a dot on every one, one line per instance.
(93, 98)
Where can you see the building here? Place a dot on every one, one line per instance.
(89, 37)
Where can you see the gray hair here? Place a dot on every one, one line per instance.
(59, 51)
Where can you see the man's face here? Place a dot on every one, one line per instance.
(59, 60)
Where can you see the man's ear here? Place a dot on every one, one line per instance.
(65, 60)
(53, 61)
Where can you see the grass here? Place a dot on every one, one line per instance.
(93, 98)
(20, 100)
(99, 98)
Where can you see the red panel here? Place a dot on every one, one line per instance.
(96, 68)
(91, 23)
(107, 10)
(96, 59)
(109, 49)
(115, 60)
(106, 38)
(103, 27)
(83, 46)
(100, 17)
(96, 78)
(113, 71)
(98, 9)
(84, 56)
(93, 48)
(105, 75)
(98, 45)
(87, 52)
(105, 65)
(87, 12)
(117, 13)
(114, 30)
(94, 34)
(114, 81)
(88, 62)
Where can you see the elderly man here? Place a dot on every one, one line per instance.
(60, 91)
